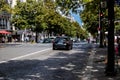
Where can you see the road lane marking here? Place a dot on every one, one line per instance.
(30, 54)
(26, 55)
(3, 61)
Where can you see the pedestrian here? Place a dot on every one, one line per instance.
(116, 48)
(105, 43)
(3, 40)
(32, 39)
(88, 40)
(119, 47)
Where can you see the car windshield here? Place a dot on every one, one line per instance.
(61, 39)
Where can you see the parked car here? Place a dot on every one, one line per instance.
(48, 40)
(62, 42)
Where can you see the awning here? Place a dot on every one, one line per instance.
(4, 32)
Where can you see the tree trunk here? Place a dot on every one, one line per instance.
(110, 67)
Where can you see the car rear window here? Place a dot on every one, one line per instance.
(61, 38)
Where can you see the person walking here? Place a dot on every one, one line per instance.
(119, 47)
(3, 40)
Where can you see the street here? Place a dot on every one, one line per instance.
(39, 62)
(10, 50)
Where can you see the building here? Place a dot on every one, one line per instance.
(5, 21)
(5, 18)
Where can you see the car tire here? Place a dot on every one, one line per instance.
(54, 48)
(71, 47)
(68, 47)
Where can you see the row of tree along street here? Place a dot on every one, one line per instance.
(90, 17)
(39, 16)
(108, 18)
(44, 16)
(103, 16)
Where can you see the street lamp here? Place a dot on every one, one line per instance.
(10, 2)
(101, 7)
(10, 25)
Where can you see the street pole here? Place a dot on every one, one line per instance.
(10, 13)
(36, 31)
(100, 25)
(110, 67)
(10, 37)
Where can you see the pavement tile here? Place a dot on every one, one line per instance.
(98, 70)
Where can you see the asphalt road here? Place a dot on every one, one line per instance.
(40, 62)
(17, 50)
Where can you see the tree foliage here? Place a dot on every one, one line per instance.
(66, 5)
(117, 18)
(90, 16)
(41, 16)
(44, 16)
(5, 7)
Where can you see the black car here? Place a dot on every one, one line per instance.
(62, 42)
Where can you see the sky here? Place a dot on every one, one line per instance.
(77, 18)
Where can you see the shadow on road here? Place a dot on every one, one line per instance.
(62, 66)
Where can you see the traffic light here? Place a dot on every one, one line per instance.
(103, 4)
(101, 16)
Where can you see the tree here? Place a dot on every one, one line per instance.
(42, 16)
(29, 15)
(4, 6)
(20, 16)
(66, 5)
(80, 32)
(90, 16)
(110, 67)
(117, 19)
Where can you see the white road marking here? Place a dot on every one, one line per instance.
(26, 55)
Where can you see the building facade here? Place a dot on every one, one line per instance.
(5, 17)
(5, 21)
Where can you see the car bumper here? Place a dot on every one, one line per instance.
(58, 46)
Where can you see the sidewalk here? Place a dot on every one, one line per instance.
(98, 66)
(3, 45)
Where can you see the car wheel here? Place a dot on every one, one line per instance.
(71, 47)
(68, 47)
(53, 48)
